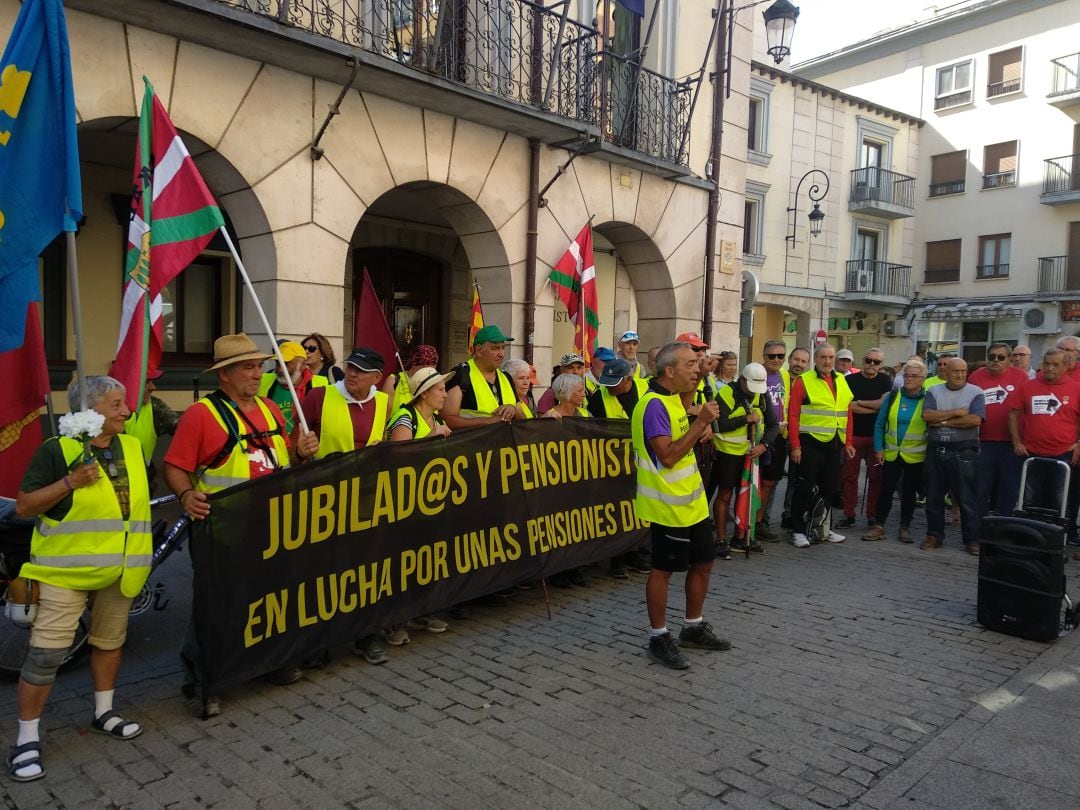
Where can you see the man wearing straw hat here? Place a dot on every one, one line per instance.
(229, 436)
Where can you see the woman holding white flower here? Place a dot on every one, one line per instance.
(88, 491)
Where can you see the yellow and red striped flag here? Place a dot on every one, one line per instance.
(476, 321)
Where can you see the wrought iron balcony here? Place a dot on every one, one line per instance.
(868, 279)
(947, 187)
(882, 193)
(952, 100)
(1058, 274)
(1001, 88)
(1065, 82)
(992, 270)
(1061, 180)
(518, 50)
(999, 179)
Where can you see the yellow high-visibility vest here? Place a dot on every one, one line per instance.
(912, 448)
(141, 425)
(672, 496)
(336, 431)
(93, 545)
(826, 414)
(613, 409)
(236, 469)
(486, 404)
(735, 442)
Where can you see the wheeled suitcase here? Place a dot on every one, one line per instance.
(1022, 567)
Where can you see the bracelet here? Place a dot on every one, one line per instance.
(67, 481)
(180, 497)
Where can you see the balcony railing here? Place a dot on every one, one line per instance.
(999, 179)
(948, 187)
(992, 271)
(1066, 75)
(952, 100)
(1002, 88)
(871, 184)
(1059, 274)
(1061, 175)
(517, 50)
(873, 278)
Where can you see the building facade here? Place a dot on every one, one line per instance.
(997, 219)
(413, 138)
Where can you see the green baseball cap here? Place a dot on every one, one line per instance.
(491, 334)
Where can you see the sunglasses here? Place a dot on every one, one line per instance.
(872, 361)
(310, 349)
(110, 467)
(997, 357)
(775, 356)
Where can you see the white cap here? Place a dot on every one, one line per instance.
(845, 354)
(756, 380)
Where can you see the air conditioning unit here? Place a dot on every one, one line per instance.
(1041, 319)
(896, 328)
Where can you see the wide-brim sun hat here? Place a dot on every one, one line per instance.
(424, 379)
(229, 349)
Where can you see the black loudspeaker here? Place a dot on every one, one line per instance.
(1021, 576)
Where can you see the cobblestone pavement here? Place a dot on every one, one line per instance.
(857, 671)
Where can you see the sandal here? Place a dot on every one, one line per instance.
(19, 750)
(97, 725)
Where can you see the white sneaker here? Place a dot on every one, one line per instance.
(800, 541)
(835, 538)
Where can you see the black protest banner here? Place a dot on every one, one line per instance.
(315, 556)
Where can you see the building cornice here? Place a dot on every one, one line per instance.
(783, 76)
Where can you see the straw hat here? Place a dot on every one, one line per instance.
(229, 349)
(424, 379)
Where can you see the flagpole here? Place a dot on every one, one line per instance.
(76, 316)
(266, 325)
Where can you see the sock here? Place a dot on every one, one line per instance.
(693, 622)
(103, 702)
(28, 732)
(655, 632)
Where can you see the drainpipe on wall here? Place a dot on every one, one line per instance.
(530, 247)
(720, 79)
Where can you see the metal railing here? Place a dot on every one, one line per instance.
(1059, 274)
(871, 184)
(1001, 88)
(517, 50)
(948, 187)
(1061, 174)
(992, 271)
(872, 277)
(952, 100)
(1066, 74)
(999, 179)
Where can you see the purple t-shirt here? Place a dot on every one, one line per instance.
(655, 422)
(776, 394)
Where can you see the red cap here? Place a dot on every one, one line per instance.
(693, 338)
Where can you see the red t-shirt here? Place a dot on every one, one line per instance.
(1049, 415)
(199, 438)
(361, 414)
(996, 390)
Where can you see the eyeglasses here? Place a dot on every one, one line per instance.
(310, 349)
(775, 356)
(110, 467)
(997, 357)
(872, 361)
(699, 349)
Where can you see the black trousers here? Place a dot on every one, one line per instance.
(821, 465)
(891, 476)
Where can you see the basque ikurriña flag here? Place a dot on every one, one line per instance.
(574, 281)
(40, 189)
(748, 500)
(173, 218)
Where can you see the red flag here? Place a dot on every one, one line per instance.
(476, 321)
(372, 329)
(574, 280)
(173, 217)
(20, 425)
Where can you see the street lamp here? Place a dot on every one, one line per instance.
(815, 194)
(780, 20)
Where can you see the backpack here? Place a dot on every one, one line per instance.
(818, 517)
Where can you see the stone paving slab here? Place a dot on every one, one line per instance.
(858, 677)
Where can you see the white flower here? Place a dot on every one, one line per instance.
(83, 425)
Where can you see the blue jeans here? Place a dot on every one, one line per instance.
(1001, 466)
(952, 468)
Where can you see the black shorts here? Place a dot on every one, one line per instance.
(774, 470)
(727, 470)
(676, 548)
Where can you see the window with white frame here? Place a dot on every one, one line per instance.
(757, 125)
(999, 165)
(754, 223)
(953, 85)
(1005, 72)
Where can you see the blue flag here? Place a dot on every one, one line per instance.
(633, 6)
(40, 189)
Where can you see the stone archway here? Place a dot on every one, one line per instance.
(437, 230)
(648, 282)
